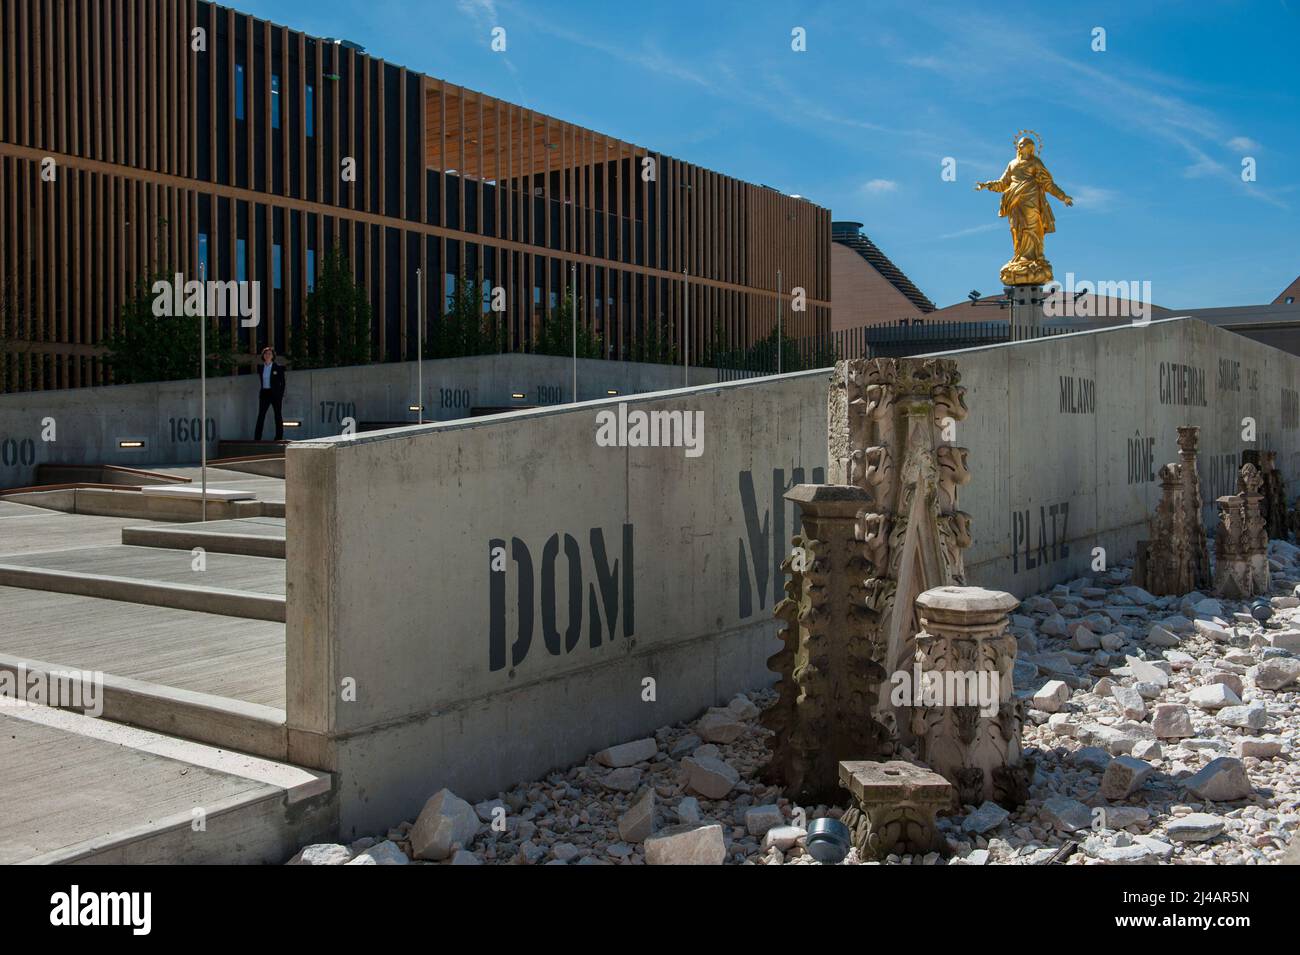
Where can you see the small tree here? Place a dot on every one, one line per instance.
(761, 356)
(15, 341)
(336, 328)
(653, 345)
(557, 334)
(148, 347)
(465, 329)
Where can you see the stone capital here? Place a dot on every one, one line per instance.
(953, 607)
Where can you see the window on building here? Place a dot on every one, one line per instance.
(275, 267)
(239, 91)
(275, 101)
(203, 256)
(241, 260)
(1290, 299)
(311, 270)
(309, 110)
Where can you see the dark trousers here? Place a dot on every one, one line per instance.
(266, 398)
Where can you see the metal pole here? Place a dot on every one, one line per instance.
(573, 300)
(778, 321)
(419, 348)
(203, 385)
(686, 328)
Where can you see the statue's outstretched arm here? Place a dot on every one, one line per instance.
(997, 185)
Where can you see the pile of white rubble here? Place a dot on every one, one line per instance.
(1162, 730)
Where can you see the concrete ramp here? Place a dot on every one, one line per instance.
(82, 790)
(248, 449)
(256, 464)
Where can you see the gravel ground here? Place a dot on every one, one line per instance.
(1163, 730)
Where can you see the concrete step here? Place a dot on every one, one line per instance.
(234, 585)
(254, 537)
(190, 492)
(217, 720)
(80, 790)
(110, 502)
(204, 653)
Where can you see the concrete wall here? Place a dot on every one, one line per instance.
(616, 565)
(89, 422)
(646, 563)
(1054, 476)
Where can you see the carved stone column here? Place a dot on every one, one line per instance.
(1250, 485)
(891, 432)
(1198, 552)
(832, 659)
(893, 807)
(1162, 565)
(1176, 559)
(1241, 540)
(1274, 495)
(967, 724)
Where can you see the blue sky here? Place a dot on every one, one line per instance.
(1147, 136)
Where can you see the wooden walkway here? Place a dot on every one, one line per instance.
(26, 529)
(207, 653)
(231, 571)
(77, 789)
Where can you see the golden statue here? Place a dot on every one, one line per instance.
(1025, 186)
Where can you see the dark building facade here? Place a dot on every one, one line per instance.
(180, 132)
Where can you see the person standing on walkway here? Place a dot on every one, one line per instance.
(271, 393)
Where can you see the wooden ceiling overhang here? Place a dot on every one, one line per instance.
(482, 137)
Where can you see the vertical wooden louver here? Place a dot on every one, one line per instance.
(147, 144)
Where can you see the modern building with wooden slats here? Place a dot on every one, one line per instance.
(166, 153)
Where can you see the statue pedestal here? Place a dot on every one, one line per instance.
(1026, 310)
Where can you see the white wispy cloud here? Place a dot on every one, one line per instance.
(481, 10)
(974, 230)
(878, 187)
(1095, 198)
(1156, 106)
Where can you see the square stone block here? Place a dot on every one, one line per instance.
(893, 806)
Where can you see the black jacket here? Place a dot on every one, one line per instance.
(277, 378)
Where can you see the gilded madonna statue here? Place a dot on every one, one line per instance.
(1025, 186)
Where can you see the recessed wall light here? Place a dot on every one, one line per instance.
(130, 444)
(293, 424)
(415, 407)
(611, 391)
(518, 395)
